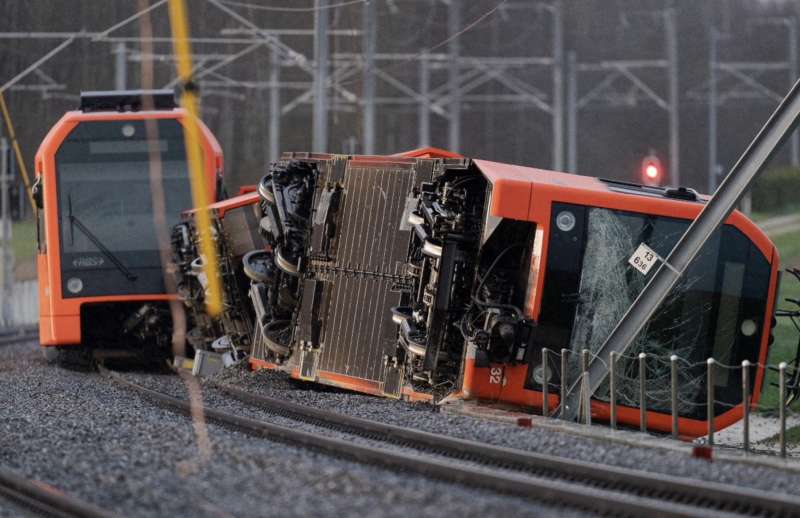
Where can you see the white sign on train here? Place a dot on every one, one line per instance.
(643, 259)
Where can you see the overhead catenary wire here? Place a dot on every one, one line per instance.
(293, 9)
(129, 19)
(14, 80)
(422, 53)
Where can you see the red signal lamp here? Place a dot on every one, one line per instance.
(652, 172)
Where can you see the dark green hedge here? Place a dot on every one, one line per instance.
(777, 189)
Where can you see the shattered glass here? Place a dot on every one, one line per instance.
(694, 315)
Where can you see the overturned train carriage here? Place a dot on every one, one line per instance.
(235, 228)
(431, 278)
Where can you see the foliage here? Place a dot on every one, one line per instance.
(777, 191)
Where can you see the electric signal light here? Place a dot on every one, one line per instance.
(652, 173)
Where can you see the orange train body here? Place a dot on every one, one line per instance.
(369, 273)
(529, 194)
(80, 158)
(524, 194)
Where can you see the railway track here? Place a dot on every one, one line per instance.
(579, 484)
(31, 494)
(15, 336)
(44, 499)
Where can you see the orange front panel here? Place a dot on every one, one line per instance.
(510, 199)
(64, 325)
(46, 330)
(505, 383)
(769, 311)
(61, 330)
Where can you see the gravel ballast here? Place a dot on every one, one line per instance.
(99, 442)
(542, 440)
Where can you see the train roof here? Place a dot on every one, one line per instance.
(126, 100)
(428, 152)
(522, 176)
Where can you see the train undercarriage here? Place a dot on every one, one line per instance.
(438, 278)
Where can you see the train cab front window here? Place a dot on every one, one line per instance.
(105, 199)
(589, 285)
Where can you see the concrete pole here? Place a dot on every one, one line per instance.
(792, 58)
(120, 66)
(274, 104)
(454, 46)
(712, 110)
(6, 257)
(670, 30)
(488, 108)
(558, 87)
(423, 108)
(369, 29)
(319, 138)
(21, 198)
(572, 112)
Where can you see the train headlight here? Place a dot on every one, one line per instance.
(538, 375)
(565, 221)
(128, 130)
(748, 327)
(74, 285)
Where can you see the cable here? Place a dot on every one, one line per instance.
(292, 9)
(428, 50)
(466, 28)
(476, 297)
(494, 263)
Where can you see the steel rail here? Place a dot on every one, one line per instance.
(713, 494)
(563, 481)
(16, 336)
(46, 499)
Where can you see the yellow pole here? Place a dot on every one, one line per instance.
(15, 145)
(183, 54)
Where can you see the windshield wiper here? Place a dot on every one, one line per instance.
(73, 220)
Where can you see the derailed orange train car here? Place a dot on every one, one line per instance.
(101, 282)
(428, 276)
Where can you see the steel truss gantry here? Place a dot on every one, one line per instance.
(734, 81)
(624, 83)
(447, 83)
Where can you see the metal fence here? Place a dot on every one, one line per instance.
(668, 396)
(21, 308)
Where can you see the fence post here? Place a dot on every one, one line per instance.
(673, 366)
(612, 382)
(746, 405)
(545, 388)
(710, 400)
(587, 399)
(782, 403)
(642, 395)
(585, 406)
(563, 397)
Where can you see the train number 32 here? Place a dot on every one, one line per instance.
(496, 376)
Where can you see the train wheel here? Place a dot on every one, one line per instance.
(72, 357)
